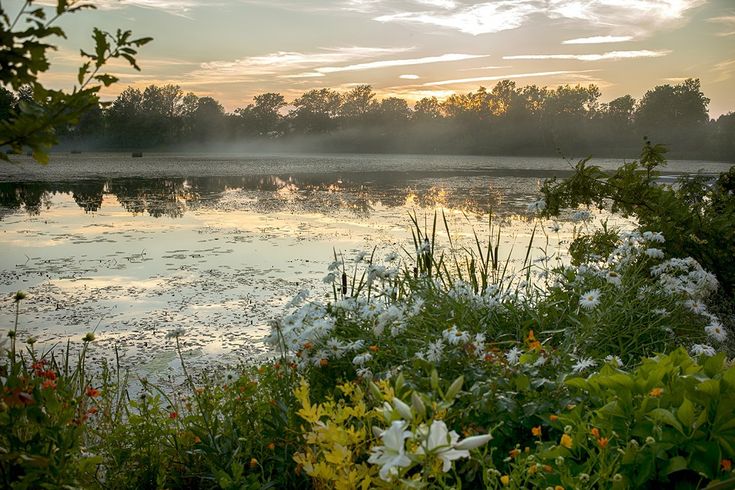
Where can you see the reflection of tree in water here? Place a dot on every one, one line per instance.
(157, 197)
(357, 193)
(32, 196)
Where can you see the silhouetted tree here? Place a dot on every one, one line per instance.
(316, 111)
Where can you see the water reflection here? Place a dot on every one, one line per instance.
(356, 193)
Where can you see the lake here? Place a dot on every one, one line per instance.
(217, 244)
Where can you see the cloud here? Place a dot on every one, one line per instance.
(621, 17)
(476, 19)
(612, 55)
(409, 77)
(283, 62)
(728, 21)
(406, 62)
(724, 70)
(598, 40)
(499, 77)
(445, 4)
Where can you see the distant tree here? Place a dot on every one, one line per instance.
(125, 119)
(427, 108)
(620, 111)
(358, 103)
(316, 111)
(208, 120)
(723, 135)
(674, 114)
(262, 118)
(393, 111)
(24, 43)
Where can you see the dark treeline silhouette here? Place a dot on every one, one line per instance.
(506, 120)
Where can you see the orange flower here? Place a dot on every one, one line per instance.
(553, 418)
(323, 362)
(726, 464)
(373, 348)
(566, 441)
(271, 446)
(536, 431)
(93, 392)
(595, 432)
(514, 452)
(308, 345)
(253, 462)
(197, 440)
(602, 441)
(548, 468)
(49, 383)
(558, 487)
(532, 469)
(656, 392)
(92, 410)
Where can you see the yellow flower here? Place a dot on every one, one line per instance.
(505, 480)
(558, 487)
(566, 441)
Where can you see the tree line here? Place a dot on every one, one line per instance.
(504, 120)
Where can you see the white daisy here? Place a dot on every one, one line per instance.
(613, 278)
(590, 299)
(362, 359)
(654, 253)
(702, 349)
(513, 356)
(716, 331)
(582, 364)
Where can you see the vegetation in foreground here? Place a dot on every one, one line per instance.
(438, 369)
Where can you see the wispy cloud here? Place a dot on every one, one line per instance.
(724, 70)
(622, 17)
(500, 77)
(409, 77)
(476, 19)
(283, 62)
(598, 40)
(612, 55)
(405, 62)
(728, 21)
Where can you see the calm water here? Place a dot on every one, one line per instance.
(219, 243)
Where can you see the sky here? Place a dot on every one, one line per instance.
(233, 50)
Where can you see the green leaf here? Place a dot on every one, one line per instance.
(685, 413)
(675, 464)
(662, 415)
(710, 387)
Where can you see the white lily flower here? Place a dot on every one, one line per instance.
(441, 443)
(392, 454)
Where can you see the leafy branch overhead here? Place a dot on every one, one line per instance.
(25, 42)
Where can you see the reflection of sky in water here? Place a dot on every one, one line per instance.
(220, 255)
